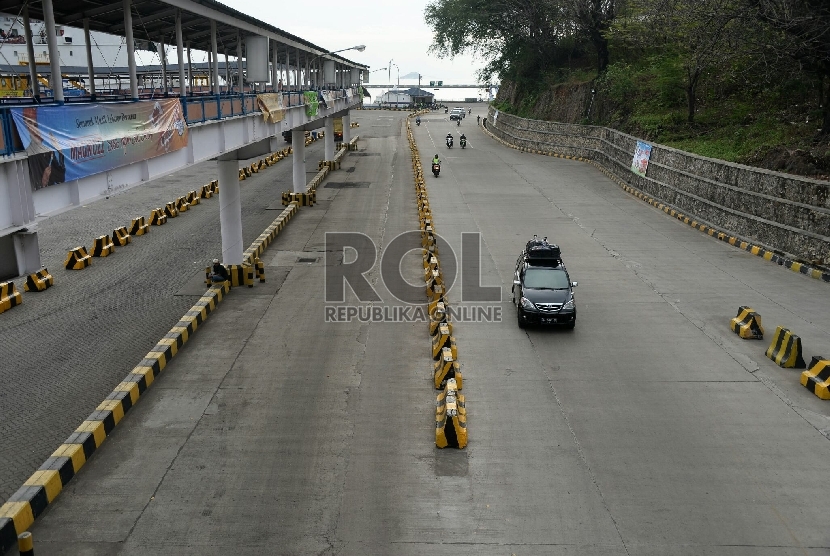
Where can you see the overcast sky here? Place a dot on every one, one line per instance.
(392, 30)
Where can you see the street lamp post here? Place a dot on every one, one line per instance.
(359, 48)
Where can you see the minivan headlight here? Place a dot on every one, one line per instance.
(570, 304)
(527, 304)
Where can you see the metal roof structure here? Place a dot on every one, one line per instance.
(154, 20)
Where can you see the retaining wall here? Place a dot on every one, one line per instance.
(786, 214)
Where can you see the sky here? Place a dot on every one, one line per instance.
(390, 30)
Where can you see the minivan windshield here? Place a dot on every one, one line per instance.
(546, 278)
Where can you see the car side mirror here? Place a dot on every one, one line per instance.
(574, 284)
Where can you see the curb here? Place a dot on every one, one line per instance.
(757, 250)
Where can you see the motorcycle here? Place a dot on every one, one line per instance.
(463, 142)
(418, 121)
(458, 122)
(446, 109)
(449, 142)
(436, 169)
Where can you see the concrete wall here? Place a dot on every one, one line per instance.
(783, 213)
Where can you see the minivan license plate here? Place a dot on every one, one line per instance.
(548, 321)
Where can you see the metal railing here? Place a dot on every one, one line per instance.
(197, 108)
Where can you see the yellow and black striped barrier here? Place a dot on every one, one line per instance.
(241, 275)
(121, 237)
(77, 259)
(157, 217)
(25, 544)
(444, 339)
(24, 506)
(747, 324)
(170, 210)
(785, 349)
(103, 246)
(817, 377)
(302, 199)
(181, 204)
(450, 417)
(193, 198)
(39, 281)
(138, 226)
(206, 191)
(9, 296)
(259, 267)
(446, 368)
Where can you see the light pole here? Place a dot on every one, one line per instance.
(391, 63)
(359, 48)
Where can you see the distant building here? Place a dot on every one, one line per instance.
(405, 98)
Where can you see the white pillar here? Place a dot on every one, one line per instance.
(239, 62)
(215, 60)
(180, 54)
(287, 69)
(230, 211)
(55, 79)
(189, 69)
(30, 51)
(347, 127)
(227, 72)
(163, 59)
(297, 68)
(298, 146)
(128, 36)
(274, 66)
(90, 69)
(329, 138)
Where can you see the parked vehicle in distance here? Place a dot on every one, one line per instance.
(542, 289)
(457, 114)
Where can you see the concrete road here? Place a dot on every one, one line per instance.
(650, 429)
(64, 349)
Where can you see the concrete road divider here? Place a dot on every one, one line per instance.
(450, 417)
(302, 199)
(9, 296)
(181, 204)
(39, 281)
(77, 259)
(121, 237)
(444, 339)
(438, 316)
(241, 275)
(446, 368)
(157, 217)
(139, 226)
(103, 246)
(242, 175)
(170, 210)
(817, 377)
(747, 324)
(206, 191)
(24, 506)
(259, 267)
(25, 544)
(192, 198)
(785, 349)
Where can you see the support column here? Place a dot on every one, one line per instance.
(347, 127)
(329, 139)
(239, 62)
(189, 69)
(180, 54)
(230, 210)
(297, 68)
(30, 51)
(90, 69)
(128, 37)
(55, 79)
(227, 72)
(287, 69)
(215, 61)
(163, 60)
(298, 146)
(275, 65)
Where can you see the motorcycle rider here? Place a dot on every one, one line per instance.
(478, 119)
(462, 140)
(417, 120)
(449, 139)
(436, 160)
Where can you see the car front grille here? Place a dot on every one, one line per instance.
(549, 307)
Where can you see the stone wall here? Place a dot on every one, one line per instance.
(786, 214)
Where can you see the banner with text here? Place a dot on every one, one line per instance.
(311, 103)
(642, 154)
(68, 142)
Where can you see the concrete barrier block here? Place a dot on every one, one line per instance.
(121, 237)
(39, 281)
(785, 349)
(158, 217)
(450, 417)
(103, 246)
(77, 259)
(817, 377)
(747, 324)
(138, 226)
(9, 296)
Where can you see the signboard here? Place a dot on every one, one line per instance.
(69, 142)
(311, 103)
(432, 83)
(439, 83)
(642, 153)
(271, 106)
